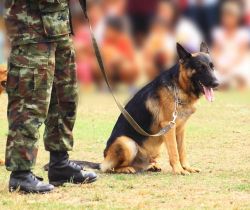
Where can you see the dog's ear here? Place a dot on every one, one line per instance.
(204, 48)
(182, 53)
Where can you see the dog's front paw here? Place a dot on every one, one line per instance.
(178, 170)
(192, 169)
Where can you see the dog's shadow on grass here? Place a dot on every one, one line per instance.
(96, 166)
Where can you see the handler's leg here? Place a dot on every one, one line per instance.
(29, 85)
(60, 122)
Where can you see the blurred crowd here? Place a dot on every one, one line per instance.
(138, 38)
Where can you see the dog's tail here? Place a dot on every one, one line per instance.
(84, 164)
(107, 165)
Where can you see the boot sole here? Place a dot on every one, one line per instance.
(19, 189)
(61, 182)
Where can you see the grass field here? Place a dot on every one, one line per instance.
(218, 139)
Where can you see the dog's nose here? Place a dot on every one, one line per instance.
(215, 83)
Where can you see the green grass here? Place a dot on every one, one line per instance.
(218, 143)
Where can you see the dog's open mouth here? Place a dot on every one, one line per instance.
(208, 92)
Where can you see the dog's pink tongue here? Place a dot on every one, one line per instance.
(209, 93)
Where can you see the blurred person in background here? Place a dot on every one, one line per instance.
(85, 58)
(141, 13)
(167, 28)
(117, 44)
(205, 13)
(100, 10)
(159, 49)
(101, 14)
(87, 67)
(119, 53)
(97, 18)
(231, 45)
(115, 8)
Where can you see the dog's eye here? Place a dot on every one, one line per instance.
(203, 66)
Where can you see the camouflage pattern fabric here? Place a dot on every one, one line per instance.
(41, 87)
(41, 81)
(33, 21)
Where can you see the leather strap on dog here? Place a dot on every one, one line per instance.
(124, 112)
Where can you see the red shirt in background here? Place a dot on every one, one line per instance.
(123, 45)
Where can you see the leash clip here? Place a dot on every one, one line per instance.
(174, 118)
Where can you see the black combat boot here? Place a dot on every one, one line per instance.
(62, 170)
(26, 181)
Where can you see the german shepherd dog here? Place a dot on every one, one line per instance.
(152, 107)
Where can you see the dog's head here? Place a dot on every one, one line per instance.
(197, 72)
(3, 78)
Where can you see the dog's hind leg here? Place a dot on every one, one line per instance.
(120, 156)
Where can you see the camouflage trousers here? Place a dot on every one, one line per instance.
(42, 88)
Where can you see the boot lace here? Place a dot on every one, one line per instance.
(34, 177)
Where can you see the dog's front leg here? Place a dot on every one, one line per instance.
(180, 138)
(171, 144)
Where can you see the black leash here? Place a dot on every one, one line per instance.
(124, 112)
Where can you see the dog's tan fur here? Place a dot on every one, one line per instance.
(126, 156)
